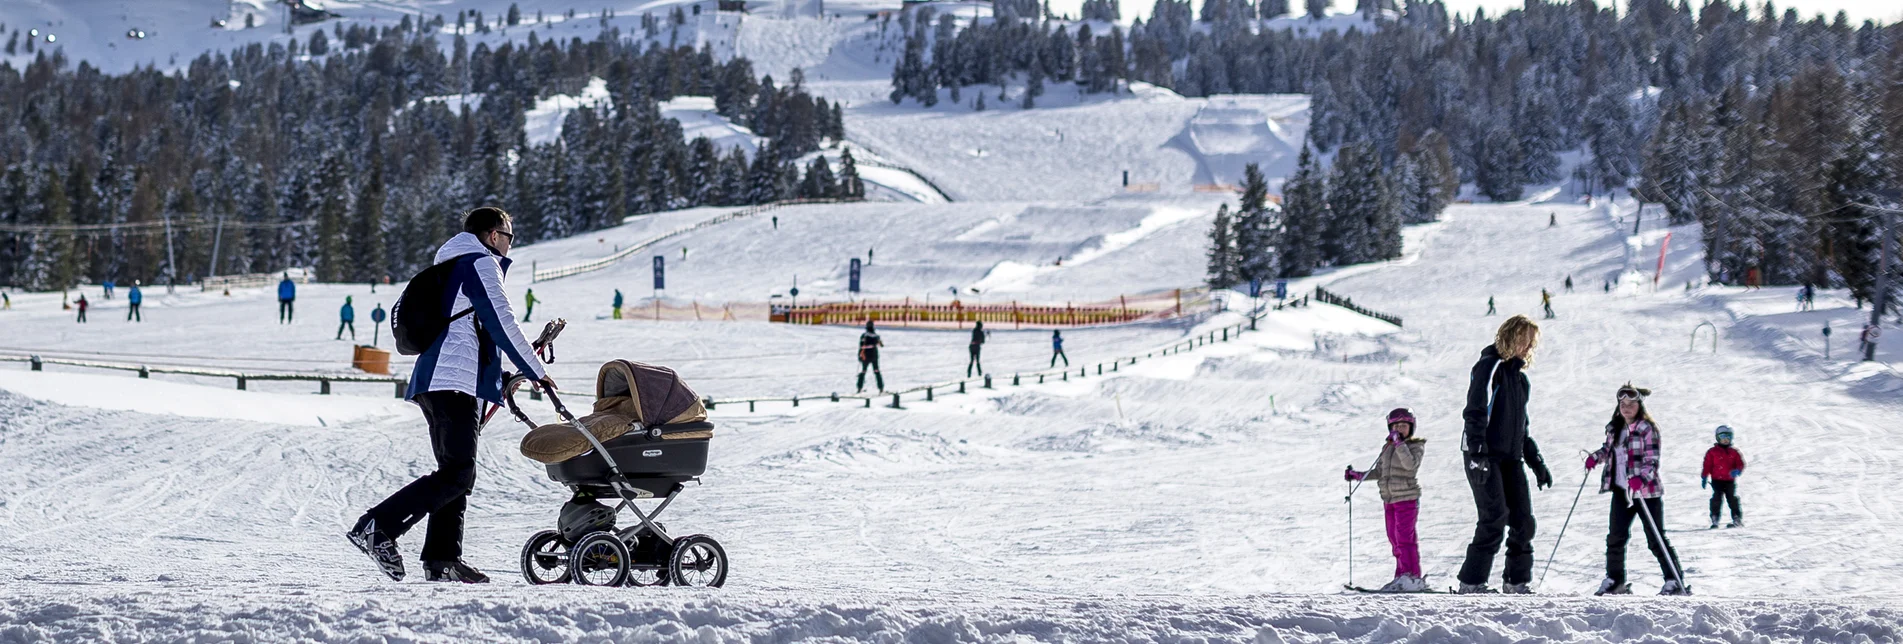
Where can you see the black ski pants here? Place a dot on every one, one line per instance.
(1505, 507)
(1652, 516)
(873, 364)
(453, 418)
(975, 363)
(1059, 354)
(347, 324)
(1721, 492)
(284, 311)
(133, 313)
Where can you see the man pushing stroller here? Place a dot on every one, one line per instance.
(459, 368)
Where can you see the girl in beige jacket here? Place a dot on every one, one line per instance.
(1394, 474)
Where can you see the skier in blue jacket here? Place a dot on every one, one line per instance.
(287, 293)
(347, 317)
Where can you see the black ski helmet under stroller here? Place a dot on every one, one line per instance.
(646, 439)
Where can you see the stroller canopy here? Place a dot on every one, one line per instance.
(628, 396)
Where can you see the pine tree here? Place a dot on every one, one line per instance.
(1223, 263)
(1355, 202)
(368, 259)
(53, 264)
(819, 182)
(1498, 166)
(1256, 229)
(1304, 219)
(850, 187)
(332, 211)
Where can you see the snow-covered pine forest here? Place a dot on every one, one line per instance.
(1773, 131)
(355, 149)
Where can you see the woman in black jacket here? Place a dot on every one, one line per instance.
(1494, 446)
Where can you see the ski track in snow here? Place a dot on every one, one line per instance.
(1172, 500)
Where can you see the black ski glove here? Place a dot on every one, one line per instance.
(1543, 477)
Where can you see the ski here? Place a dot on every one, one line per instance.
(1372, 591)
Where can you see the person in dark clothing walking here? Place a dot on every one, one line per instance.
(347, 318)
(1631, 456)
(869, 344)
(134, 298)
(1723, 466)
(1057, 348)
(978, 335)
(459, 371)
(1496, 443)
(1490, 310)
(82, 308)
(1569, 283)
(287, 293)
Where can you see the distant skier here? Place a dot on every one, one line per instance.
(868, 257)
(1552, 219)
(1490, 310)
(347, 317)
(869, 344)
(618, 301)
(108, 286)
(134, 298)
(1546, 302)
(776, 222)
(1867, 341)
(1631, 456)
(1723, 465)
(1495, 444)
(978, 335)
(82, 308)
(529, 305)
(1569, 283)
(1807, 298)
(287, 293)
(1608, 286)
(1057, 348)
(1394, 473)
(6, 303)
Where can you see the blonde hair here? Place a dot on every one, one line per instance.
(1516, 338)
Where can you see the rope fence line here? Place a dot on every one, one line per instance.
(1324, 296)
(38, 363)
(930, 391)
(963, 385)
(543, 275)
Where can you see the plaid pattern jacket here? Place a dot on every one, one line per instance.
(1640, 447)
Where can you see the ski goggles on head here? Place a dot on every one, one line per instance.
(1630, 392)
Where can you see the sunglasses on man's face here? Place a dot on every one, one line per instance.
(507, 234)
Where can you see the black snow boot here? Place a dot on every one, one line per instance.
(453, 571)
(379, 547)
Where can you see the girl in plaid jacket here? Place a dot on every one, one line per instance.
(1631, 456)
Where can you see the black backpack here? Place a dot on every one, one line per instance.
(417, 327)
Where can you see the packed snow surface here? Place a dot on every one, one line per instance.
(1190, 496)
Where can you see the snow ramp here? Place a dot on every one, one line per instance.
(1234, 130)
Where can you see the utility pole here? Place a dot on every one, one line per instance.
(1883, 282)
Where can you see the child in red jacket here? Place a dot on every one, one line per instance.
(1723, 464)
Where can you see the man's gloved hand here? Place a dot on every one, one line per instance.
(1542, 477)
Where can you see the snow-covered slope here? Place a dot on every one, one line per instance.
(1203, 486)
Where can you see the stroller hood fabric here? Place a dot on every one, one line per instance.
(628, 396)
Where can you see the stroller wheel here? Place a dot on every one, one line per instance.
(544, 561)
(599, 559)
(697, 560)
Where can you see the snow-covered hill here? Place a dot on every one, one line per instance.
(1204, 486)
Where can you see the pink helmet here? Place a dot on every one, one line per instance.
(1400, 415)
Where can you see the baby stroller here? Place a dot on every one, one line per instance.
(646, 439)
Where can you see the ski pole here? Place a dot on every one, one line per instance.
(1562, 527)
(1658, 532)
(1350, 499)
